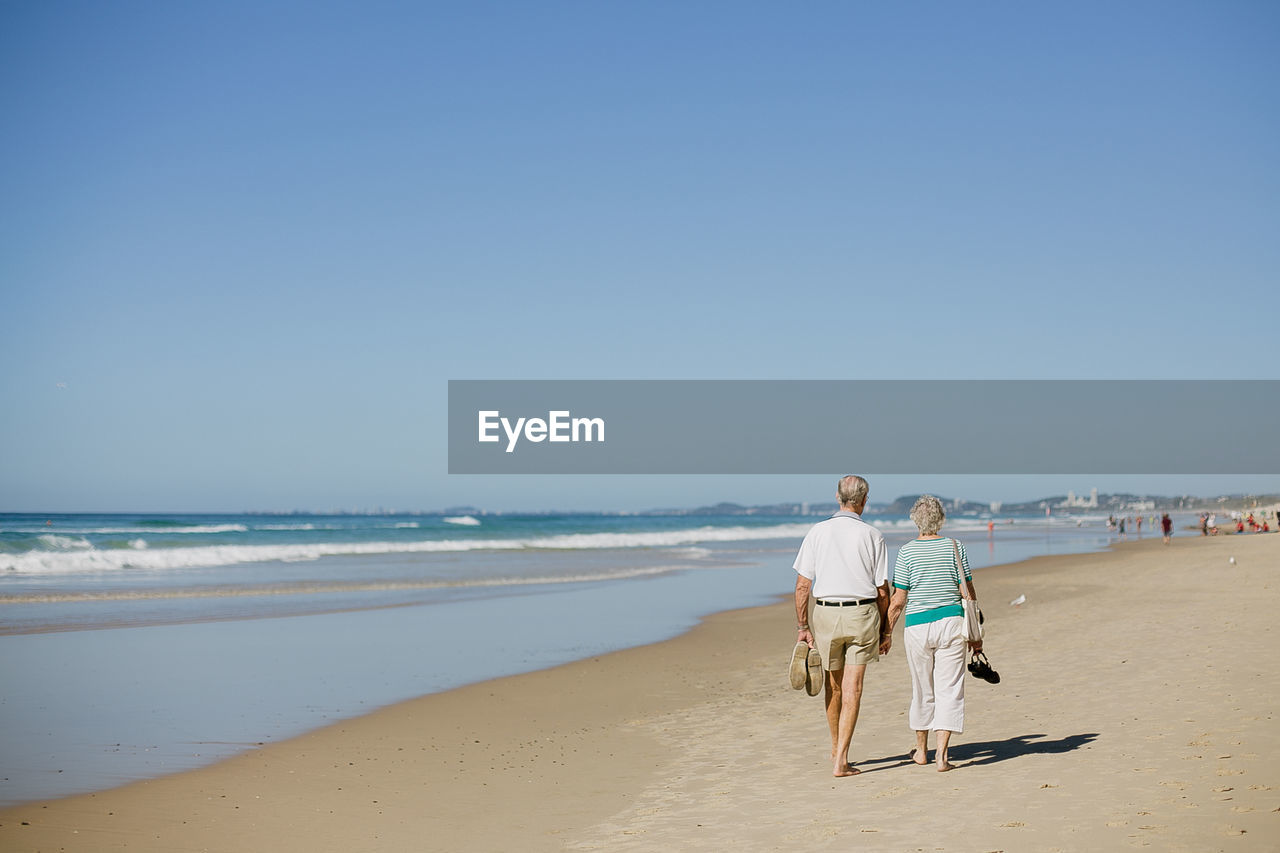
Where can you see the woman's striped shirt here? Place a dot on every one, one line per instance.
(926, 569)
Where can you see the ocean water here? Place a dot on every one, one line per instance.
(136, 645)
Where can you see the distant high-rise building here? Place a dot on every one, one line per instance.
(1081, 502)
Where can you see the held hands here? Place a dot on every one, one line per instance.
(886, 643)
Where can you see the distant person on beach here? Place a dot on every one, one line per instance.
(926, 584)
(1166, 527)
(844, 563)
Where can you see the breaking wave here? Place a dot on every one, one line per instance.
(313, 587)
(73, 557)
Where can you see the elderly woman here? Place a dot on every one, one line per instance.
(926, 581)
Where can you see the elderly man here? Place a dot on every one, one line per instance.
(844, 563)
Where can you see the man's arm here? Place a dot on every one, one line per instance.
(886, 630)
(803, 587)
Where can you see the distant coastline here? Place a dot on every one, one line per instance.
(1115, 502)
(1070, 505)
(1119, 502)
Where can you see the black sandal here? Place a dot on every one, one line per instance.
(980, 667)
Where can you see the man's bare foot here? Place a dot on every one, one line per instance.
(845, 769)
(917, 758)
(945, 766)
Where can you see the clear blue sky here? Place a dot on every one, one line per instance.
(254, 240)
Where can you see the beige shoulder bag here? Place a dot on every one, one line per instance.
(972, 615)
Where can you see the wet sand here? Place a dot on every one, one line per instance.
(1136, 710)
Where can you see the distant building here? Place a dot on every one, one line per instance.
(1090, 502)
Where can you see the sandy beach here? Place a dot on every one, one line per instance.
(1137, 709)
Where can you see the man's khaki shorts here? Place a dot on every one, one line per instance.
(846, 635)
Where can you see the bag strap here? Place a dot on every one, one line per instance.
(964, 587)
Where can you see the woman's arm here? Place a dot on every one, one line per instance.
(896, 605)
(975, 645)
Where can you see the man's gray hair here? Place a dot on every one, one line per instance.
(852, 490)
(928, 514)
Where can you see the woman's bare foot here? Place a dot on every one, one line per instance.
(845, 769)
(918, 757)
(945, 766)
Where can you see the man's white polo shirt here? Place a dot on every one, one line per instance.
(845, 557)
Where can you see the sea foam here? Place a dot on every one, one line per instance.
(166, 530)
(90, 559)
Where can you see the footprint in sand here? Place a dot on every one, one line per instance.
(1229, 772)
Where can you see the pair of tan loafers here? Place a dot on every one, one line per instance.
(806, 669)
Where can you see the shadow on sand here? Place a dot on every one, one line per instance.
(989, 752)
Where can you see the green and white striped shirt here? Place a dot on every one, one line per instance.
(926, 568)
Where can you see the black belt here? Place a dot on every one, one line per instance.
(858, 603)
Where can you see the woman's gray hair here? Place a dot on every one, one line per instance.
(928, 514)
